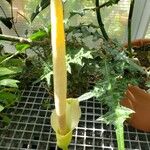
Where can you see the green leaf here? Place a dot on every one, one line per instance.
(22, 47)
(7, 98)
(76, 57)
(122, 113)
(46, 103)
(135, 66)
(148, 84)
(9, 83)
(47, 73)
(69, 68)
(7, 71)
(9, 61)
(86, 96)
(47, 77)
(116, 116)
(41, 6)
(1, 108)
(39, 35)
(6, 119)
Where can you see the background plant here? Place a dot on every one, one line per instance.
(9, 92)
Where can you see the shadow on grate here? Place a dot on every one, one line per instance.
(30, 128)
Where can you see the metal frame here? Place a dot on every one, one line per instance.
(141, 18)
(30, 128)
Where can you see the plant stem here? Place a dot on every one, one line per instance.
(105, 4)
(14, 39)
(59, 63)
(23, 17)
(12, 16)
(129, 27)
(120, 136)
(23, 40)
(99, 19)
(3, 12)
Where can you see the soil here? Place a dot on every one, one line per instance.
(142, 53)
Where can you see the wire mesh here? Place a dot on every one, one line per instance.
(29, 128)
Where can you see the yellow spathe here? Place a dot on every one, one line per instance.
(73, 114)
(59, 61)
(67, 113)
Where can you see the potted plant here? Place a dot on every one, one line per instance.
(138, 100)
(117, 74)
(9, 89)
(136, 97)
(114, 70)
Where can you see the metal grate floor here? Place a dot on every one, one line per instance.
(30, 128)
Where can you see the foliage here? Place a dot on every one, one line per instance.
(78, 60)
(41, 59)
(75, 56)
(78, 65)
(37, 35)
(42, 5)
(105, 71)
(116, 73)
(9, 93)
(45, 3)
(148, 84)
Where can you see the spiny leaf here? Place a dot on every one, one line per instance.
(148, 84)
(116, 116)
(86, 96)
(76, 57)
